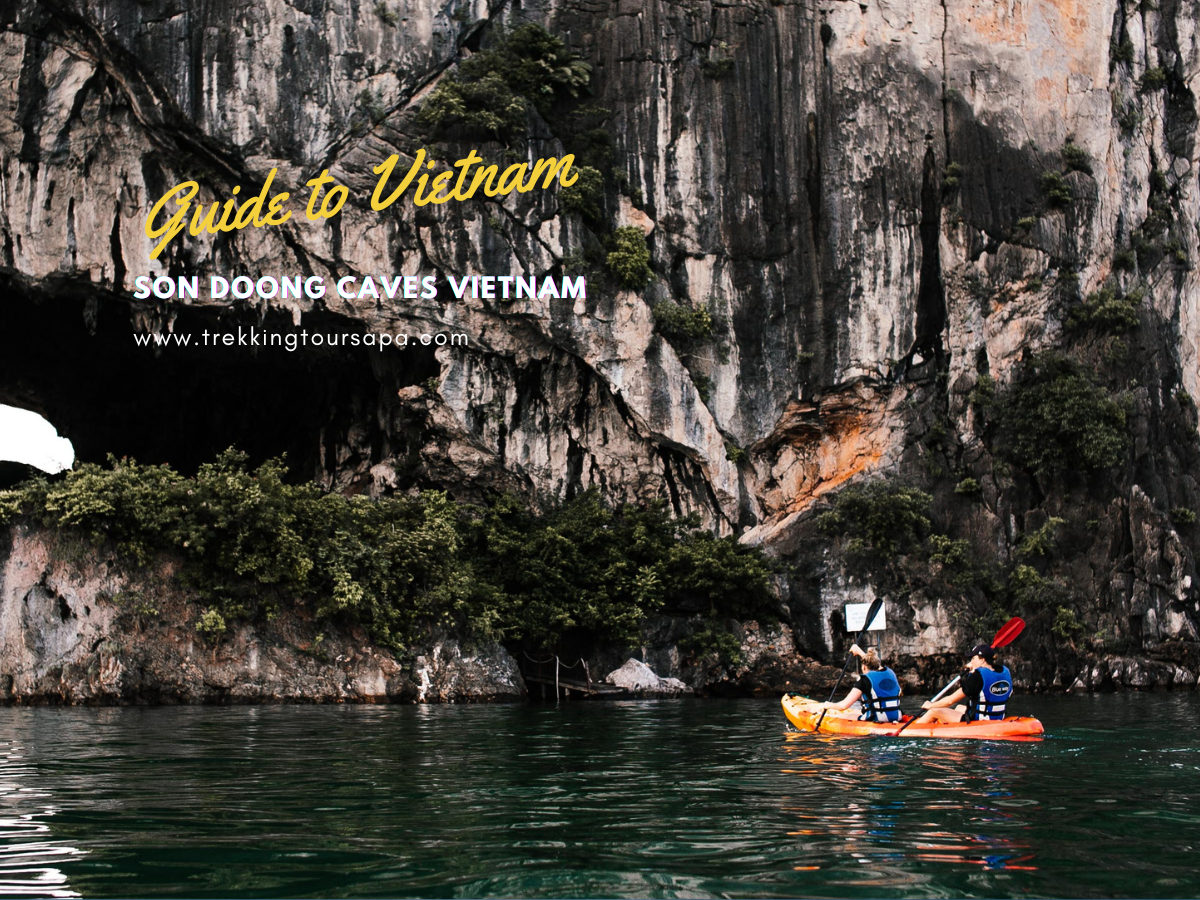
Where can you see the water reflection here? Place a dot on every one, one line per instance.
(637, 799)
(28, 857)
(950, 803)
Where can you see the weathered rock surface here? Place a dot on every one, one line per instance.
(768, 663)
(638, 678)
(792, 162)
(75, 630)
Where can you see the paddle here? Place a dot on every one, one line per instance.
(872, 612)
(1006, 635)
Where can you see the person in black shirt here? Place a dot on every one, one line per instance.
(877, 688)
(986, 687)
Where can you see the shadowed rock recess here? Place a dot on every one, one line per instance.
(942, 243)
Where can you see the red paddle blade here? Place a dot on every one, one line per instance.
(1008, 633)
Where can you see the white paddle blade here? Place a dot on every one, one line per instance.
(944, 691)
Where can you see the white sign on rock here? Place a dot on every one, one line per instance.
(856, 617)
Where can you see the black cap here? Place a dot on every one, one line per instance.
(987, 651)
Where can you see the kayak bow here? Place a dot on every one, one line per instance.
(803, 713)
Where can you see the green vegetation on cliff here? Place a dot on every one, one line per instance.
(492, 90)
(250, 544)
(629, 258)
(1054, 416)
(880, 518)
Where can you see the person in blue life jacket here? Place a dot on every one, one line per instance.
(877, 688)
(986, 689)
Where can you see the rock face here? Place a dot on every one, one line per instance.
(767, 663)
(77, 629)
(638, 678)
(74, 631)
(879, 203)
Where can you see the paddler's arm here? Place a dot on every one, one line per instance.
(954, 698)
(850, 699)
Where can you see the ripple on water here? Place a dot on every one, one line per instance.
(29, 856)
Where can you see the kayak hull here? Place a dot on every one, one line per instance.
(804, 713)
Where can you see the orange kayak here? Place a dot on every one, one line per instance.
(804, 713)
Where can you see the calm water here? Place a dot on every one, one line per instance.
(636, 799)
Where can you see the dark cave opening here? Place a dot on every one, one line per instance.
(71, 356)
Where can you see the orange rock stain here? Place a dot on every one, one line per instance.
(820, 446)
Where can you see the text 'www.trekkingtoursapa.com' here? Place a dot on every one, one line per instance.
(291, 341)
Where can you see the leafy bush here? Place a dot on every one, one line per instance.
(880, 517)
(586, 195)
(1129, 118)
(1041, 541)
(1075, 158)
(1058, 192)
(537, 64)
(716, 66)
(386, 14)
(1066, 624)
(584, 566)
(1183, 516)
(629, 257)
(1032, 592)
(953, 177)
(1124, 260)
(713, 641)
(585, 134)
(249, 543)
(946, 552)
(1153, 79)
(248, 539)
(486, 105)
(1107, 311)
(12, 504)
(681, 325)
(1122, 51)
(1053, 418)
(211, 624)
(968, 487)
(983, 394)
(492, 90)
(1126, 112)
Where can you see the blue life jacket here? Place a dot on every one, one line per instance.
(997, 689)
(883, 703)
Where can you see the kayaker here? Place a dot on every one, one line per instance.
(877, 688)
(986, 687)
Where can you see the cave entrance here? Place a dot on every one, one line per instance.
(1137, 631)
(71, 356)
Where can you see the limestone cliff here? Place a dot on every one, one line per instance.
(878, 202)
(74, 629)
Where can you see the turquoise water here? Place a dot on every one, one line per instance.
(632, 799)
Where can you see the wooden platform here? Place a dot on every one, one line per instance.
(569, 686)
(573, 679)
